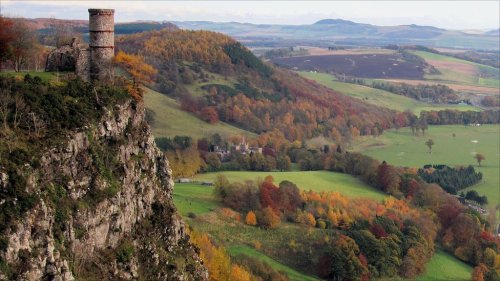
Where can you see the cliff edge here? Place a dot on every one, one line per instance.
(100, 208)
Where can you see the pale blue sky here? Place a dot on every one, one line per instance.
(445, 14)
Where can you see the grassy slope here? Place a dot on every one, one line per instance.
(379, 97)
(213, 78)
(194, 198)
(448, 74)
(444, 267)
(171, 120)
(308, 180)
(45, 76)
(292, 274)
(402, 148)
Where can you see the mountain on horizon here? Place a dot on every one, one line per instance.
(322, 33)
(327, 32)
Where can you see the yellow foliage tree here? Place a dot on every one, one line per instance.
(238, 273)
(140, 71)
(251, 219)
(217, 260)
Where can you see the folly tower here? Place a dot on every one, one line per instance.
(101, 43)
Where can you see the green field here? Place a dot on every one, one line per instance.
(379, 97)
(194, 198)
(45, 76)
(444, 267)
(307, 180)
(170, 120)
(292, 274)
(403, 149)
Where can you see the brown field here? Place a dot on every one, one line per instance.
(314, 51)
(451, 51)
(386, 66)
(459, 67)
(456, 87)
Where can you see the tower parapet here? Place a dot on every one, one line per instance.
(101, 42)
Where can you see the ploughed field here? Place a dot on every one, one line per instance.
(366, 66)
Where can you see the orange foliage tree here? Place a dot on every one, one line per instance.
(217, 260)
(251, 219)
(140, 71)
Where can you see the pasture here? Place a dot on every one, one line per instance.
(444, 266)
(461, 71)
(379, 97)
(306, 180)
(194, 198)
(170, 120)
(403, 149)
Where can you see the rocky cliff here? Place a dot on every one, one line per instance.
(104, 209)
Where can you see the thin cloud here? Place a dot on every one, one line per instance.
(451, 15)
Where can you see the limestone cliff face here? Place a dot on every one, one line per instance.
(105, 210)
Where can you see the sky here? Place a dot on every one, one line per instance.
(459, 15)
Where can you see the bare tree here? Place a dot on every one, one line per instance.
(37, 57)
(5, 103)
(35, 123)
(20, 109)
(22, 43)
(64, 33)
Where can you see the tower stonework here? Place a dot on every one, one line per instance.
(101, 43)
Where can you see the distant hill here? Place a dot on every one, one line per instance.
(45, 26)
(494, 32)
(326, 32)
(323, 33)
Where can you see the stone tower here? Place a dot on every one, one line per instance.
(101, 43)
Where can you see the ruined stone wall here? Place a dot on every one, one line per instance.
(82, 68)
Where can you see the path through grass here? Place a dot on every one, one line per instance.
(292, 274)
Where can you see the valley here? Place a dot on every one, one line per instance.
(229, 151)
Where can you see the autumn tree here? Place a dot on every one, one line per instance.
(479, 272)
(268, 219)
(283, 163)
(140, 71)
(209, 114)
(251, 219)
(6, 37)
(479, 158)
(238, 273)
(388, 179)
(429, 143)
(344, 261)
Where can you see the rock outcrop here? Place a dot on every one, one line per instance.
(105, 210)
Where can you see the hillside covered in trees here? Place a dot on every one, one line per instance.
(249, 94)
